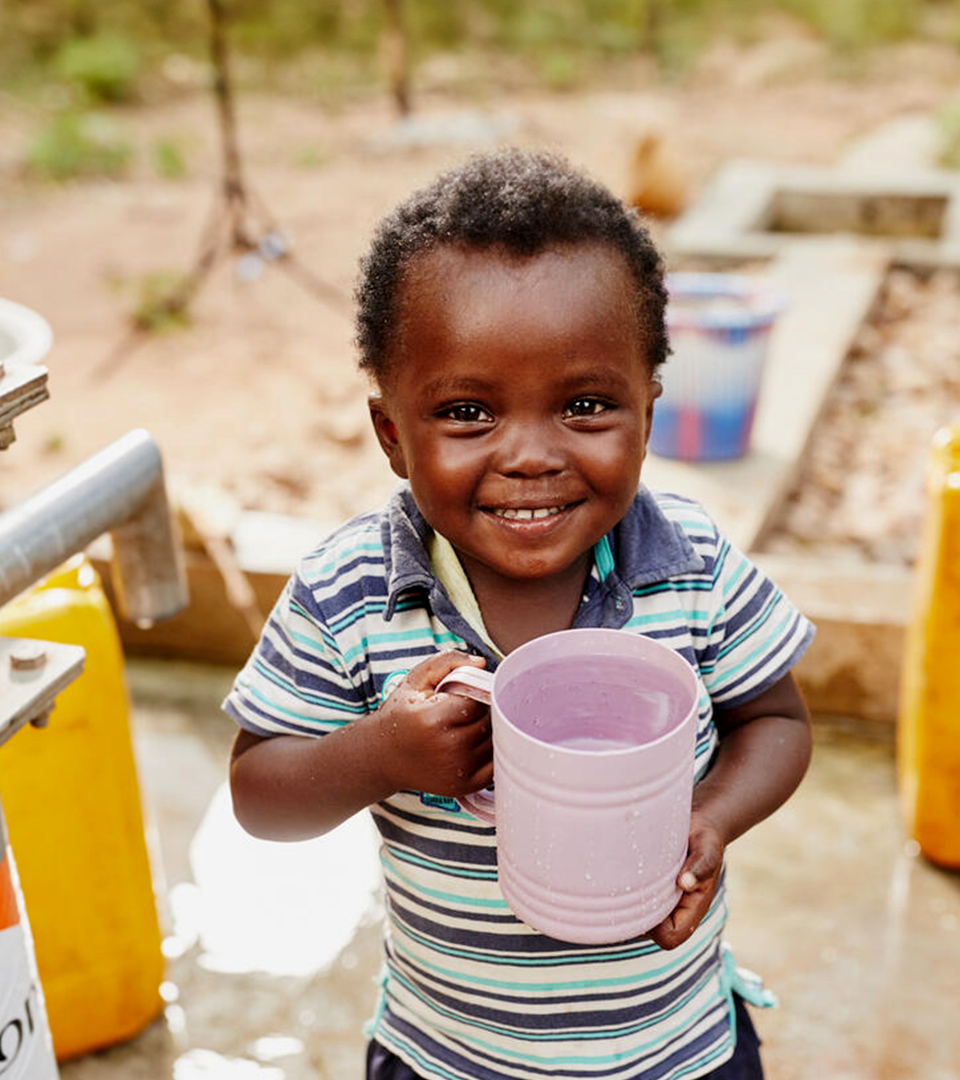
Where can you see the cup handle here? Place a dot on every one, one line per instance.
(473, 683)
(469, 682)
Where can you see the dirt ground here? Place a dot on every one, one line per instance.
(259, 395)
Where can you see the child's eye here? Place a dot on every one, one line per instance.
(465, 412)
(585, 406)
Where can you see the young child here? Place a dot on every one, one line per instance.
(511, 316)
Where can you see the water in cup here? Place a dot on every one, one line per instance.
(602, 706)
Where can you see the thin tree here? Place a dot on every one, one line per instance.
(396, 44)
(240, 223)
(653, 17)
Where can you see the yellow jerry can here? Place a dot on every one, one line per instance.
(73, 814)
(928, 749)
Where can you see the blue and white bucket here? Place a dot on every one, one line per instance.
(719, 326)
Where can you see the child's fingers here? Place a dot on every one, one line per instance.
(469, 711)
(481, 736)
(697, 869)
(688, 880)
(429, 672)
(680, 924)
(482, 777)
(703, 861)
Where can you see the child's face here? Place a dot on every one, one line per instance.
(518, 403)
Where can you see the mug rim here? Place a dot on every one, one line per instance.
(675, 660)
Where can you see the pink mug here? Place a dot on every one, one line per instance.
(593, 751)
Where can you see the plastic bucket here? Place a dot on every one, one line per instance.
(719, 327)
(74, 816)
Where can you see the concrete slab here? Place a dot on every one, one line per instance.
(830, 287)
(850, 926)
(861, 611)
(733, 218)
(726, 221)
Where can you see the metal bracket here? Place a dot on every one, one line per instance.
(21, 388)
(32, 673)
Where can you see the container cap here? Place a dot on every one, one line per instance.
(714, 301)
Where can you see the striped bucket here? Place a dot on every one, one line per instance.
(719, 328)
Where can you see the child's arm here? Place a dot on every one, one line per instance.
(764, 751)
(290, 787)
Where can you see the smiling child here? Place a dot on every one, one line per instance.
(511, 317)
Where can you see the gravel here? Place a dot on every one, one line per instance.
(861, 491)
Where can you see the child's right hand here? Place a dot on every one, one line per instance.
(436, 742)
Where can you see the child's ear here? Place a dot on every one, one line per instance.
(387, 434)
(655, 390)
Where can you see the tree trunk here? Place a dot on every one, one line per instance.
(397, 54)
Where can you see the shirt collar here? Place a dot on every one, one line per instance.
(643, 548)
(648, 547)
(404, 533)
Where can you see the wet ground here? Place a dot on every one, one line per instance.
(272, 949)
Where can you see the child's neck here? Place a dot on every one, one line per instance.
(516, 611)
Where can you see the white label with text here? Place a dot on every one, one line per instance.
(25, 1048)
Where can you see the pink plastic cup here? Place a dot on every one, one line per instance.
(593, 752)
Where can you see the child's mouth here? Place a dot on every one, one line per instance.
(526, 513)
(530, 517)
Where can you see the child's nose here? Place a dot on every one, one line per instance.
(530, 449)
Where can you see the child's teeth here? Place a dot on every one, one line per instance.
(528, 515)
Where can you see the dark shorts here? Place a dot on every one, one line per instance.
(744, 1065)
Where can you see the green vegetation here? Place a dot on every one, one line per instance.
(168, 160)
(311, 157)
(948, 124)
(75, 144)
(106, 50)
(158, 309)
(105, 67)
(853, 24)
(560, 69)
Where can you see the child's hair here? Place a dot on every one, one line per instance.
(522, 201)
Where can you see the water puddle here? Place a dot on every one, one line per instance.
(281, 909)
(274, 1047)
(206, 1065)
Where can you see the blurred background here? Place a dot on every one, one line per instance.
(110, 166)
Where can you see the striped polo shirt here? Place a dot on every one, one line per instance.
(469, 992)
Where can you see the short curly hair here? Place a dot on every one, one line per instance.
(522, 201)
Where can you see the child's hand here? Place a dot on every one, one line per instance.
(434, 742)
(698, 880)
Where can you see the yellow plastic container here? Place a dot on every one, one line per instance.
(72, 806)
(928, 748)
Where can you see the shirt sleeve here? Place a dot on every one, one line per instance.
(295, 681)
(756, 634)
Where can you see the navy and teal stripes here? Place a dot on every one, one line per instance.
(470, 992)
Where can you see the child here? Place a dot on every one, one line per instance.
(511, 316)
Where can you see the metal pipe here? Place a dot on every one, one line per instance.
(119, 490)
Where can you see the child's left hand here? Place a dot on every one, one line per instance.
(698, 880)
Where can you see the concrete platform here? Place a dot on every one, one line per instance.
(859, 936)
(756, 209)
